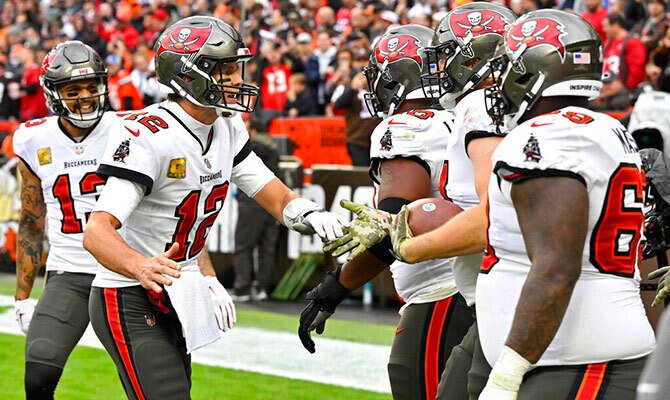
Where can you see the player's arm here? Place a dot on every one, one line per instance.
(117, 200)
(297, 213)
(205, 263)
(30, 244)
(401, 182)
(224, 308)
(553, 215)
(466, 232)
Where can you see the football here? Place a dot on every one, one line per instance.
(426, 215)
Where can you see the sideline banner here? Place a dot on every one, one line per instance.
(316, 140)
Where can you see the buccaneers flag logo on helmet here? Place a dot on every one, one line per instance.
(47, 62)
(537, 32)
(477, 23)
(185, 40)
(395, 48)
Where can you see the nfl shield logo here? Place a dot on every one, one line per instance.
(151, 320)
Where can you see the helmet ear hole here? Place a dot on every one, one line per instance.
(390, 85)
(471, 62)
(523, 79)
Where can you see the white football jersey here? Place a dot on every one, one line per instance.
(605, 319)
(70, 185)
(421, 135)
(186, 168)
(471, 122)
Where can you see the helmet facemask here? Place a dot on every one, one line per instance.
(218, 93)
(439, 58)
(525, 85)
(73, 108)
(373, 102)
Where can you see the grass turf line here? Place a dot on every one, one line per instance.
(90, 374)
(353, 331)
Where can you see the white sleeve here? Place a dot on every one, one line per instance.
(119, 197)
(23, 149)
(251, 175)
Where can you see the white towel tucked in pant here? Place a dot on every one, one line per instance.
(190, 298)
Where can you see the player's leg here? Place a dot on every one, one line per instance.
(247, 234)
(614, 380)
(454, 380)
(146, 345)
(655, 380)
(267, 251)
(424, 338)
(60, 319)
(479, 371)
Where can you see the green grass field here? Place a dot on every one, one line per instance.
(360, 332)
(90, 373)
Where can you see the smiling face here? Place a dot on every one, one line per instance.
(81, 97)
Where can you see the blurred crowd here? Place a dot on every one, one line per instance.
(309, 53)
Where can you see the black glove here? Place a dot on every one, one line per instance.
(654, 235)
(323, 300)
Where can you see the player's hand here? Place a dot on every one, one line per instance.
(654, 235)
(328, 225)
(368, 228)
(156, 271)
(224, 309)
(323, 300)
(23, 311)
(400, 233)
(663, 288)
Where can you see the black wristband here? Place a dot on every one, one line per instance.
(330, 292)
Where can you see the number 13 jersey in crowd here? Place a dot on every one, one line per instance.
(605, 319)
(67, 169)
(185, 168)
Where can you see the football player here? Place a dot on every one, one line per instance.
(59, 156)
(465, 40)
(408, 163)
(170, 167)
(558, 300)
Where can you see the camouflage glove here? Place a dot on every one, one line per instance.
(400, 233)
(368, 228)
(663, 288)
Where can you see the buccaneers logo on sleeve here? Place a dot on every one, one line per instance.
(122, 151)
(397, 48)
(477, 23)
(537, 32)
(185, 40)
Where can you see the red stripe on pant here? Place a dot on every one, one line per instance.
(432, 351)
(114, 320)
(591, 382)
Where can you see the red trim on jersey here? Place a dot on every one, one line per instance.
(444, 176)
(432, 350)
(592, 381)
(490, 259)
(114, 320)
